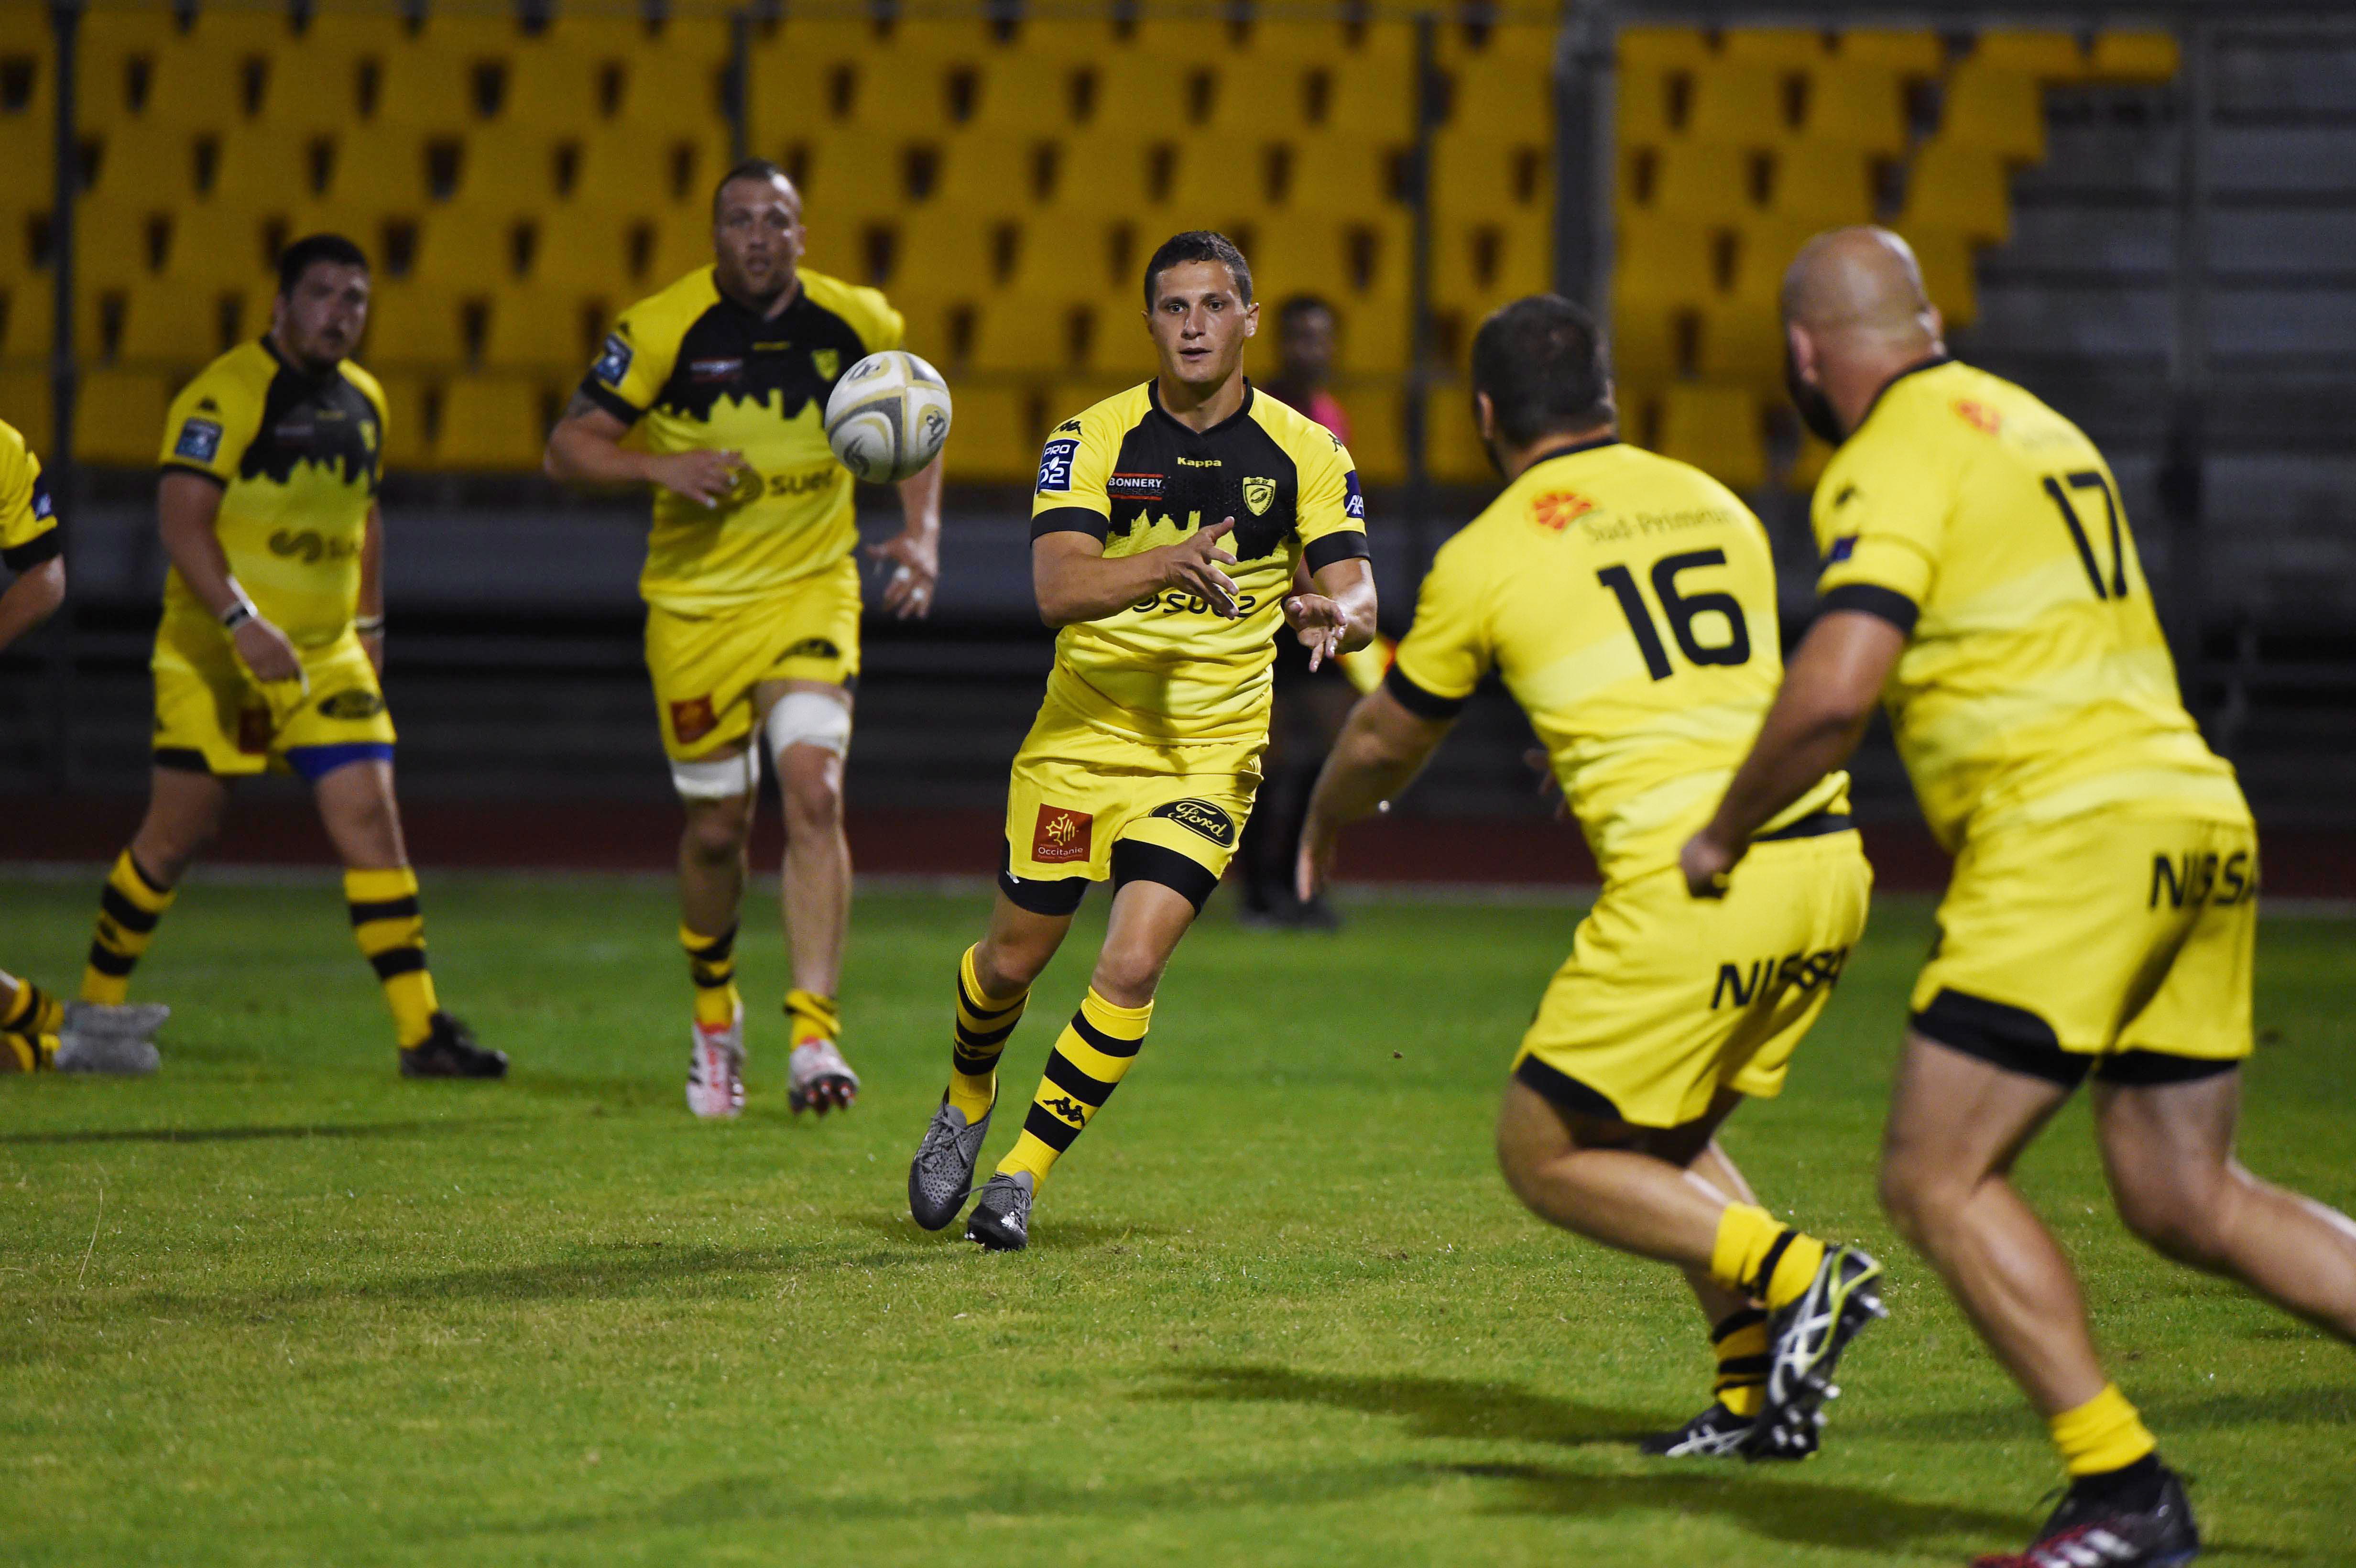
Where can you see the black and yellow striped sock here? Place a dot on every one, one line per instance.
(712, 966)
(812, 1017)
(390, 930)
(128, 908)
(1091, 1057)
(984, 1024)
(1740, 1343)
(29, 1020)
(1758, 1257)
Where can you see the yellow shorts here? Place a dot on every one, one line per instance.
(705, 667)
(2122, 941)
(212, 716)
(1667, 998)
(1084, 804)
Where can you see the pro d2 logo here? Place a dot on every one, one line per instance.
(1200, 816)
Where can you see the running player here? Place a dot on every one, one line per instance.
(38, 1031)
(1142, 762)
(1980, 575)
(272, 640)
(1628, 602)
(751, 591)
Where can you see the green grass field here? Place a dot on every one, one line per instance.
(278, 1306)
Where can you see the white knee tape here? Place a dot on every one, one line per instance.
(717, 778)
(809, 718)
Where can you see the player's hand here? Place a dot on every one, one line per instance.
(1706, 863)
(918, 560)
(1320, 623)
(267, 653)
(1549, 787)
(1313, 867)
(1194, 567)
(703, 477)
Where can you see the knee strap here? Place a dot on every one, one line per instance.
(809, 718)
(717, 778)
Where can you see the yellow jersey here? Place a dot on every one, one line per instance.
(1168, 670)
(705, 374)
(2035, 683)
(1628, 602)
(29, 524)
(299, 459)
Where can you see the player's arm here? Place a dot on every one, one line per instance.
(1381, 750)
(585, 448)
(187, 505)
(1336, 614)
(32, 599)
(32, 547)
(916, 550)
(1075, 581)
(368, 618)
(1818, 717)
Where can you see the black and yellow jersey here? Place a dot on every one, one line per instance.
(298, 458)
(2035, 683)
(28, 525)
(1169, 670)
(707, 375)
(1628, 602)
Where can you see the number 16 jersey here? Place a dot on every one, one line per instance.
(1628, 602)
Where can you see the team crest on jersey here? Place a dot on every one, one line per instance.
(692, 720)
(1354, 500)
(1200, 816)
(1557, 509)
(1980, 416)
(827, 362)
(1259, 495)
(199, 440)
(1055, 466)
(1062, 834)
(352, 705)
(613, 363)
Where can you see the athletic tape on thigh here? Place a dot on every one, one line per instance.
(809, 718)
(717, 778)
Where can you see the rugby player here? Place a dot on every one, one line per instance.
(1628, 602)
(1981, 577)
(271, 642)
(39, 1031)
(1167, 527)
(751, 591)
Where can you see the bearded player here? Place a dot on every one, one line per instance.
(753, 596)
(1166, 532)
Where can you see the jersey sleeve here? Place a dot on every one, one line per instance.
(1071, 496)
(1448, 650)
(212, 423)
(879, 325)
(1332, 521)
(636, 361)
(1881, 532)
(28, 525)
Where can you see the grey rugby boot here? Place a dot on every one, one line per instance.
(134, 1020)
(1001, 1222)
(940, 1179)
(122, 1055)
(1808, 1336)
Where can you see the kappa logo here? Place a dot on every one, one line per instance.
(827, 362)
(614, 361)
(1980, 416)
(199, 440)
(692, 720)
(353, 705)
(1065, 1106)
(1200, 816)
(1259, 495)
(1557, 509)
(1062, 835)
(1055, 466)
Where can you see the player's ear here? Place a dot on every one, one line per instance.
(1937, 324)
(1802, 350)
(1485, 418)
(1251, 319)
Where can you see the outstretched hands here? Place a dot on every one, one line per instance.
(1194, 567)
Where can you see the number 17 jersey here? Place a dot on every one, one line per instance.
(1628, 602)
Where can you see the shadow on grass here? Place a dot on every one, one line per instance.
(1067, 1235)
(2208, 1412)
(292, 1131)
(1432, 1407)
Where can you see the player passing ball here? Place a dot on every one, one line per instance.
(1628, 602)
(1176, 529)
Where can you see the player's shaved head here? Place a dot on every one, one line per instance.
(760, 170)
(1858, 279)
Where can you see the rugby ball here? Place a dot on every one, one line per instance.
(888, 417)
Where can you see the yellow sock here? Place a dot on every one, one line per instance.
(1091, 1057)
(27, 1010)
(2104, 1434)
(984, 1024)
(128, 908)
(390, 930)
(1740, 1343)
(813, 1017)
(712, 966)
(1757, 1256)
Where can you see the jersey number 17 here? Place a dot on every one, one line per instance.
(1681, 611)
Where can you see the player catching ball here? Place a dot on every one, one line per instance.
(751, 591)
(1168, 527)
(1628, 602)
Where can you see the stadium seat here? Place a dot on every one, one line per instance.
(1452, 450)
(682, 244)
(1740, 104)
(199, 88)
(1474, 175)
(490, 422)
(2133, 57)
(118, 242)
(1664, 261)
(1708, 184)
(675, 87)
(1505, 99)
(1344, 175)
(1378, 430)
(168, 323)
(433, 83)
(847, 176)
(24, 233)
(115, 52)
(990, 170)
(511, 166)
(1828, 187)
(407, 438)
(1683, 48)
(413, 323)
(1648, 340)
(1645, 99)
(267, 166)
(1996, 110)
(1371, 336)
(943, 251)
(1858, 106)
(535, 329)
(1103, 176)
(25, 403)
(1715, 429)
(1370, 94)
(1135, 90)
(624, 168)
(1781, 47)
(144, 160)
(1741, 342)
(2045, 56)
(1917, 53)
(1349, 259)
(551, 90)
(1958, 189)
(1764, 247)
(1019, 334)
(991, 438)
(220, 244)
(949, 40)
(585, 248)
(1261, 95)
(1477, 265)
(119, 417)
(1948, 275)
(27, 320)
(382, 170)
(1024, 94)
(471, 249)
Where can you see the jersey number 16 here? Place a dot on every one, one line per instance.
(1681, 610)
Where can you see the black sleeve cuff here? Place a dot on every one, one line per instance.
(47, 545)
(613, 402)
(1416, 701)
(169, 466)
(1071, 520)
(1347, 545)
(1873, 600)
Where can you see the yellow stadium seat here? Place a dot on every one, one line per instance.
(432, 84)
(221, 244)
(1452, 450)
(1829, 186)
(27, 307)
(473, 249)
(1859, 106)
(1764, 247)
(2133, 57)
(1260, 96)
(952, 252)
(263, 166)
(1781, 47)
(1677, 48)
(1371, 95)
(1505, 99)
(118, 242)
(1999, 110)
(2046, 55)
(1224, 179)
(993, 170)
(503, 165)
(1377, 429)
(1026, 94)
(1338, 174)
(585, 248)
(1948, 274)
(406, 396)
(231, 30)
(797, 91)
(1142, 95)
(992, 433)
(171, 323)
(413, 323)
(1741, 342)
(671, 91)
(491, 422)
(1022, 335)
(109, 45)
(1106, 174)
(1740, 105)
(1709, 184)
(682, 244)
(1078, 37)
(146, 160)
(201, 87)
(25, 403)
(626, 169)
(847, 177)
(1960, 190)
(24, 228)
(380, 170)
(1371, 336)
(1478, 265)
(943, 40)
(1913, 53)
(1716, 429)
(538, 328)
(1346, 259)
(1474, 175)
(1648, 340)
(553, 89)
(1183, 40)
(1664, 261)
(119, 417)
